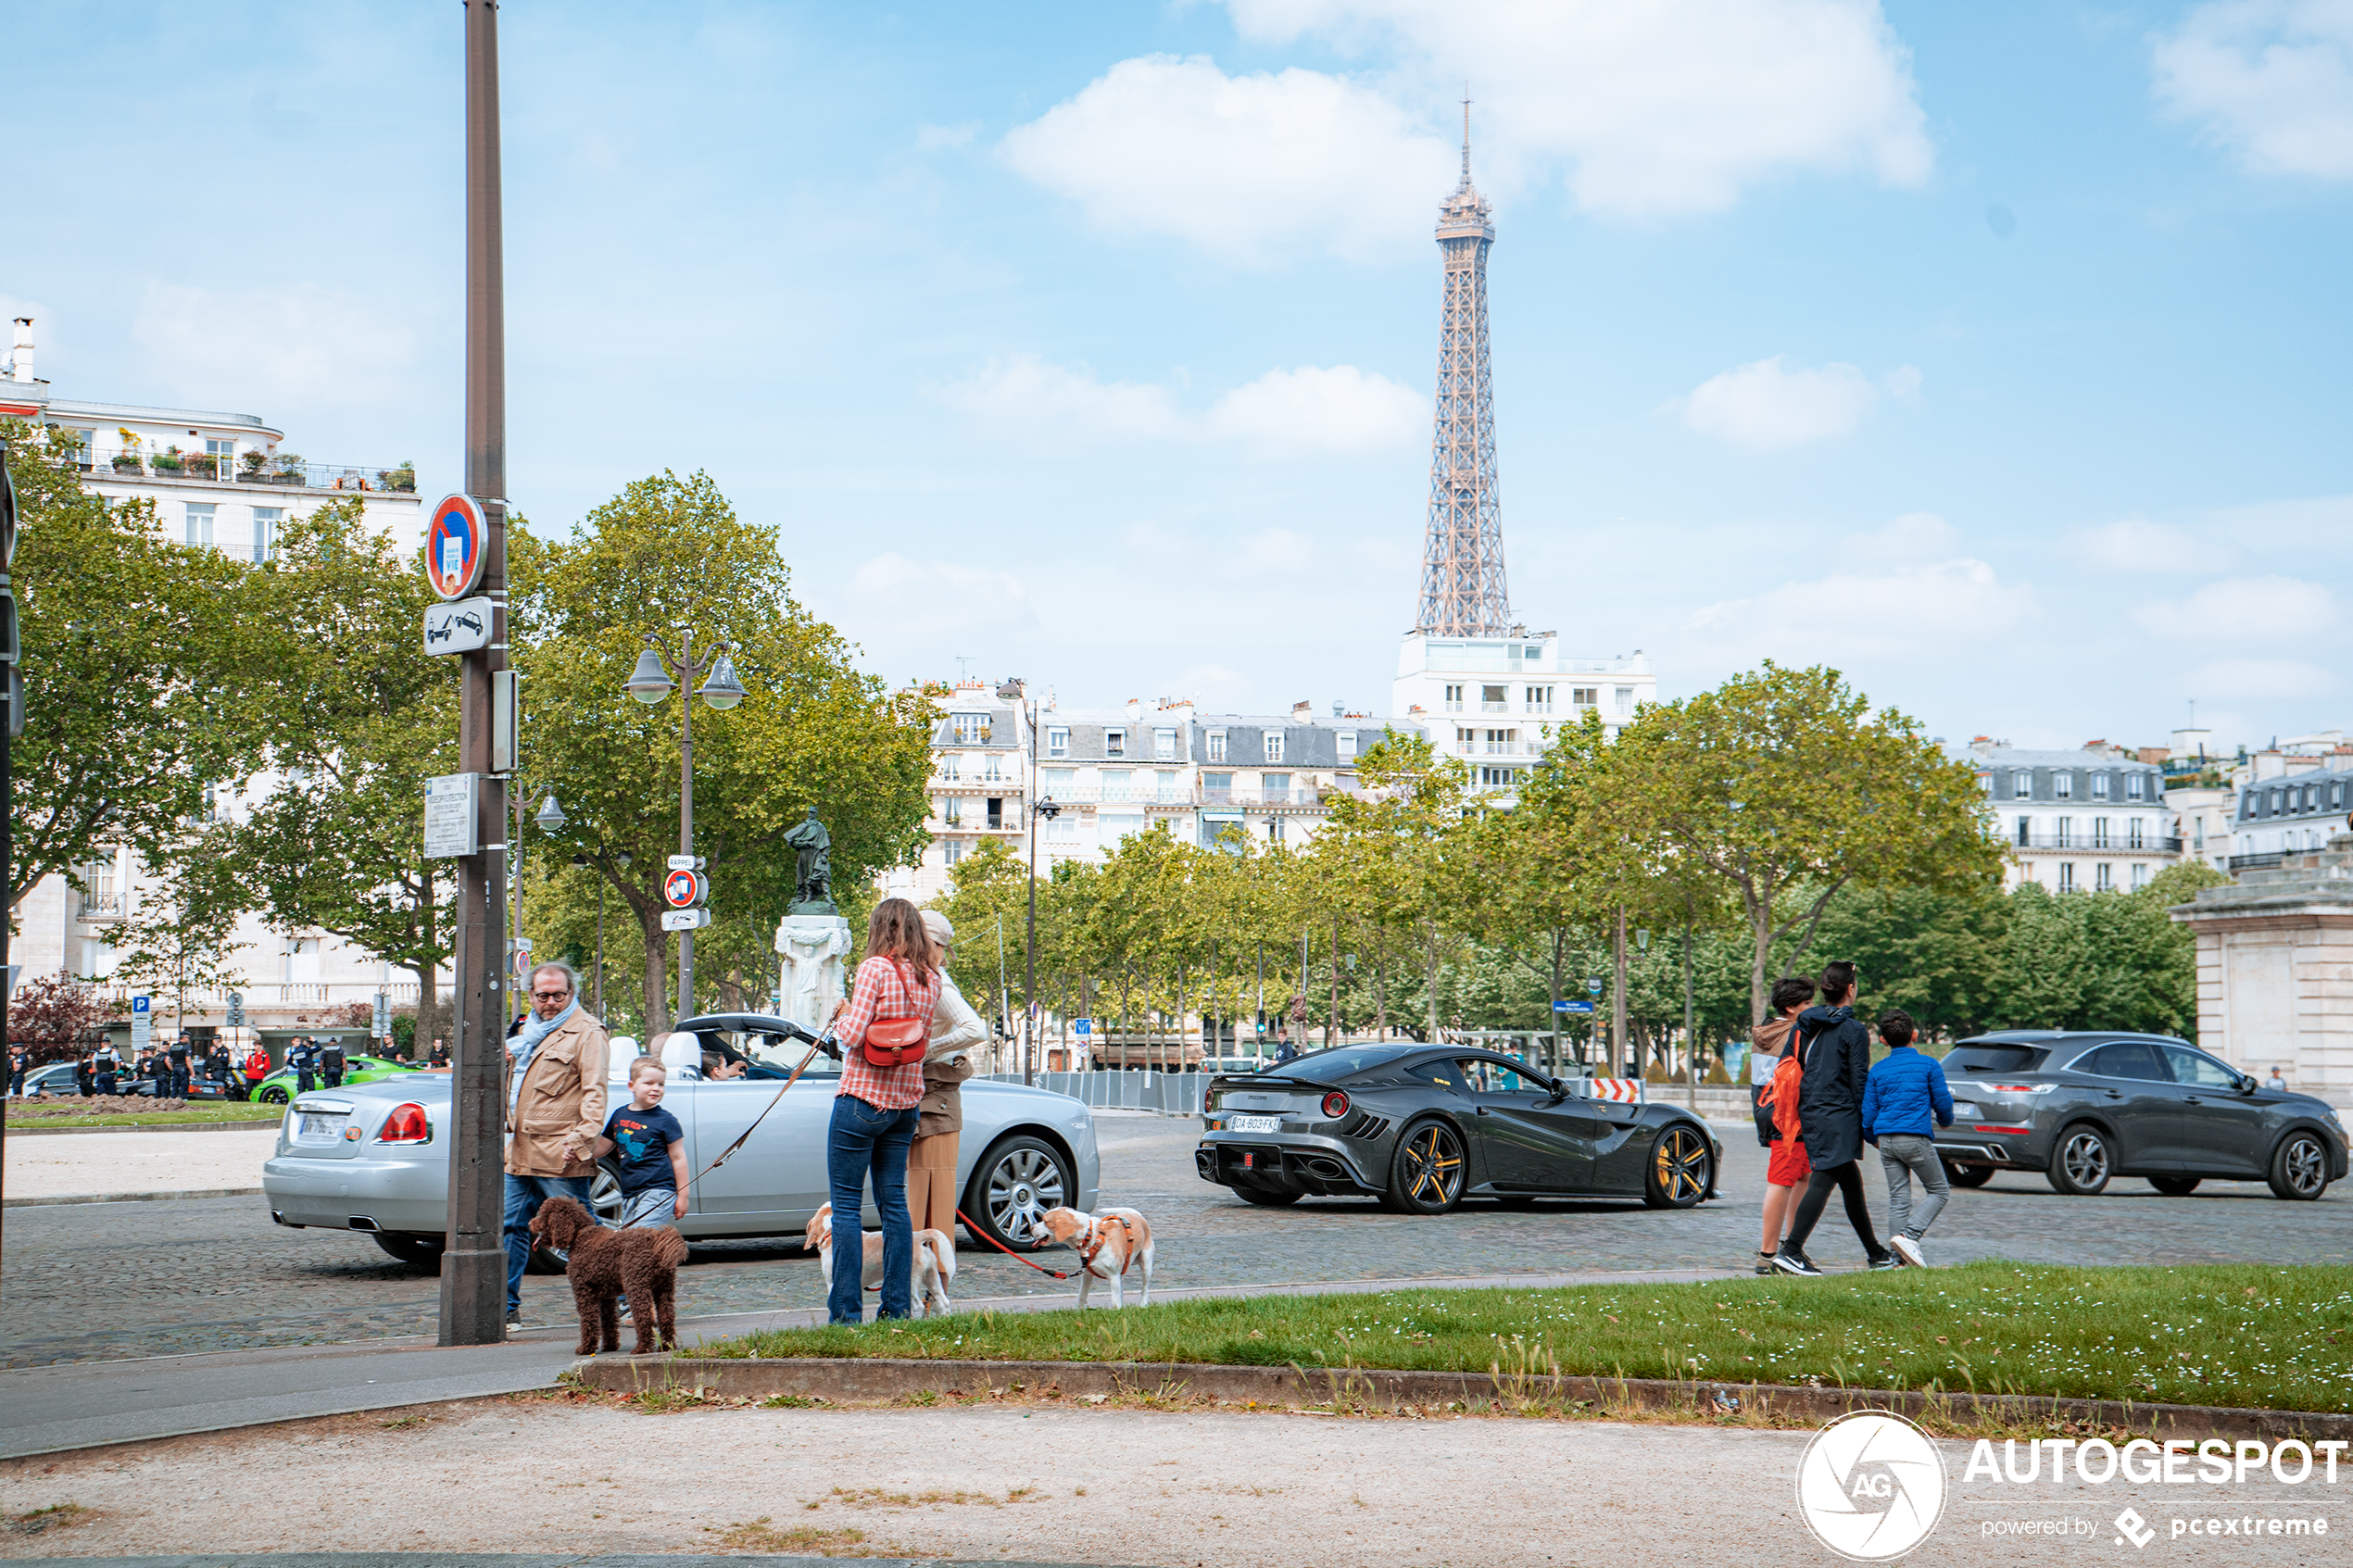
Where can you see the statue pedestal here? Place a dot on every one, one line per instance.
(812, 947)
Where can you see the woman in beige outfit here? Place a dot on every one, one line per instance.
(955, 1030)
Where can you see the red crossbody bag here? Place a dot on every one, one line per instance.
(895, 1042)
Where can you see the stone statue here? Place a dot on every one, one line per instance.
(812, 894)
(812, 947)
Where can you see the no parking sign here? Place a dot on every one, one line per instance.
(456, 546)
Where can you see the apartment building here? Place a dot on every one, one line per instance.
(2092, 820)
(1492, 701)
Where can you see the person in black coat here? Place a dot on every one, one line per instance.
(1835, 1051)
(330, 1063)
(304, 1058)
(179, 1063)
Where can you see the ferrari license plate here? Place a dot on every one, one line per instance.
(1254, 1123)
(315, 1126)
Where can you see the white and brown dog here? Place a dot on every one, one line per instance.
(935, 1260)
(1107, 1244)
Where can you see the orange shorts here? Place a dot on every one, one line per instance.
(1789, 1166)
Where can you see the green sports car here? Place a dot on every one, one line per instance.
(281, 1086)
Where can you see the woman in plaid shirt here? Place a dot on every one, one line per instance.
(875, 1112)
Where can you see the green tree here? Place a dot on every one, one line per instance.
(1784, 785)
(665, 555)
(1412, 817)
(178, 937)
(357, 718)
(143, 663)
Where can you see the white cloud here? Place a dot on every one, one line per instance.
(1769, 405)
(2271, 80)
(302, 346)
(1313, 410)
(2262, 684)
(947, 596)
(2134, 543)
(2239, 606)
(1670, 105)
(1918, 612)
(1241, 167)
(1913, 536)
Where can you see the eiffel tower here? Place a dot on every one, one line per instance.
(1463, 590)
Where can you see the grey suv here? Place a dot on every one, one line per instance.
(2083, 1107)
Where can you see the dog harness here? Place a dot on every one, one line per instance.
(1093, 1243)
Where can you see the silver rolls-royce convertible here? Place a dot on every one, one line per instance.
(376, 1157)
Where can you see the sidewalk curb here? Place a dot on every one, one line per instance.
(257, 1126)
(879, 1380)
(128, 1196)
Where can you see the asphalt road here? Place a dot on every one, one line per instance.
(99, 1282)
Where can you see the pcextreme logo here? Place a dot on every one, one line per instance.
(1870, 1486)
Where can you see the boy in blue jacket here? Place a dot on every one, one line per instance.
(1899, 1097)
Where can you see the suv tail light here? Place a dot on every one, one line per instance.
(1335, 1106)
(407, 1123)
(2021, 1089)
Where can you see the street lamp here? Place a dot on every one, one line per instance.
(551, 820)
(1044, 809)
(650, 682)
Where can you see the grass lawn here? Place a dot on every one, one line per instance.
(195, 1115)
(2249, 1334)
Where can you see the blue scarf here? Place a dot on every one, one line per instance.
(534, 1029)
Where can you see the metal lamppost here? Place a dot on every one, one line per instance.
(581, 862)
(551, 820)
(649, 683)
(1044, 810)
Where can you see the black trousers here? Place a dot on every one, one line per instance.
(1848, 1180)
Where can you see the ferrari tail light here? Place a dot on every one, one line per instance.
(407, 1123)
(1335, 1106)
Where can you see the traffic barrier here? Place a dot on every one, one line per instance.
(1626, 1091)
(1162, 1094)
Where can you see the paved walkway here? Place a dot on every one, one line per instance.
(163, 1160)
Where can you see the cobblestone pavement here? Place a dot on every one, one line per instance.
(106, 1281)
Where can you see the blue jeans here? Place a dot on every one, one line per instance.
(524, 1195)
(866, 1141)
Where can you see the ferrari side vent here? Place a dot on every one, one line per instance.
(1368, 1125)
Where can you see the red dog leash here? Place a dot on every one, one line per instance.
(1005, 1249)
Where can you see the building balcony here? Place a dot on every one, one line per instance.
(2075, 844)
(139, 465)
(101, 905)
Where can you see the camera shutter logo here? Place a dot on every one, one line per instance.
(1870, 1486)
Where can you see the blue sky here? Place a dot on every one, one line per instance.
(1993, 353)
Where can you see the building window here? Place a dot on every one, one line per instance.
(2132, 835)
(1059, 782)
(1062, 830)
(1499, 778)
(2025, 832)
(1453, 700)
(267, 521)
(1274, 745)
(1347, 739)
(2067, 876)
(2271, 807)
(1585, 696)
(2063, 784)
(2197, 828)
(1216, 741)
(1219, 787)
(1626, 699)
(2021, 783)
(968, 728)
(947, 773)
(2099, 833)
(200, 523)
(951, 810)
(1164, 746)
(2099, 786)
(1466, 741)
(2103, 879)
(996, 812)
(1057, 743)
(2336, 796)
(2063, 838)
(952, 851)
(1539, 699)
(2136, 787)
(1274, 830)
(1115, 785)
(2311, 797)
(1276, 788)
(1502, 743)
(1491, 700)
(2140, 877)
(1114, 743)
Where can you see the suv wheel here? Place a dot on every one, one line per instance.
(2082, 1162)
(2175, 1186)
(1968, 1175)
(2300, 1168)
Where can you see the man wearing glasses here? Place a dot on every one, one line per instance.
(555, 1112)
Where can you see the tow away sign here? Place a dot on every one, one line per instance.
(457, 626)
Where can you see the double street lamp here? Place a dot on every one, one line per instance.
(650, 684)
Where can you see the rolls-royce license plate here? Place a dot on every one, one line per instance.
(315, 1126)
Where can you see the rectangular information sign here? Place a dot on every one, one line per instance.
(457, 626)
(452, 823)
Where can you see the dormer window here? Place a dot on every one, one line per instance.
(2136, 787)
(1114, 743)
(2099, 786)
(2063, 784)
(2022, 783)
(1216, 741)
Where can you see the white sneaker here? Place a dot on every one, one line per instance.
(1909, 1250)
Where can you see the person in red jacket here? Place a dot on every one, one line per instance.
(1785, 1169)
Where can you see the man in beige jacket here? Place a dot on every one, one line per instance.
(556, 1067)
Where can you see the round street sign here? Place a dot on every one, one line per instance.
(684, 890)
(456, 544)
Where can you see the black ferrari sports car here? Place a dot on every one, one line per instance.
(1422, 1127)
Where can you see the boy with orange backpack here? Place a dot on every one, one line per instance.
(1786, 1169)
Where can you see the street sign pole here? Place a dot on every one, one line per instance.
(474, 1267)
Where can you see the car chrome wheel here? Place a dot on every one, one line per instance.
(1680, 1166)
(2300, 1170)
(2082, 1163)
(1427, 1175)
(605, 1196)
(1018, 1181)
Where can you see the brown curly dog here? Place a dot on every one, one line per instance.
(606, 1264)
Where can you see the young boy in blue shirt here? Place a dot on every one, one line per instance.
(652, 1150)
(1899, 1097)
